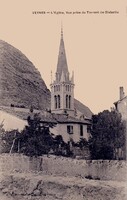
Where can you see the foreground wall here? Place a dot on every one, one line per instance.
(96, 169)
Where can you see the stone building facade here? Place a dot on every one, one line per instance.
(121, 104)
(71, 128)
(121, 107)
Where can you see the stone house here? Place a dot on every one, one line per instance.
(121, 107)
(121, 104)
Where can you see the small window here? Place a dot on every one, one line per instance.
(66, 101)
(88, 128)
(58, 101)
(68, 87)
(70, 129)
(56, 87)
(81, 130)
(69, 101)
(55, 101)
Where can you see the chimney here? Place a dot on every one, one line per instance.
(121, 93)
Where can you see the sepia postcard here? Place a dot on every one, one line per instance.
(63, 100)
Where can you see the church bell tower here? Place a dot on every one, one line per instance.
(62, 88)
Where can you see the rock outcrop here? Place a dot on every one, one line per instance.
(20, 82)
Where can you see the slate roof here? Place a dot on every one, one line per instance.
(45, 116)
(68, 119)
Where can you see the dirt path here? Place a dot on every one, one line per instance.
(30, 186)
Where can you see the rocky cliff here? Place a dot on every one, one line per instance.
(21, 84)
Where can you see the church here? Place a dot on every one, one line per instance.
(71, 118)
(71, 124)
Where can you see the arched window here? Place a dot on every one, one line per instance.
(55, 101)
(56, 87)
(69, 101)
(58, 101)
(66, 101)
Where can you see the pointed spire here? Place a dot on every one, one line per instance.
(61, 30)
(72, 78)
(62, 77)
(62, 61)
(51, 76)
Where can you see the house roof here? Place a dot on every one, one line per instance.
(62, 118)
(116, 102)
(45, 116)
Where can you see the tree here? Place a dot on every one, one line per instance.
(108, 134)
(9, 141)
(36, 138)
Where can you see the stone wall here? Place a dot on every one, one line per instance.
(61, 166)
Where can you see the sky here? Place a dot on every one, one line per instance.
(95, 43)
